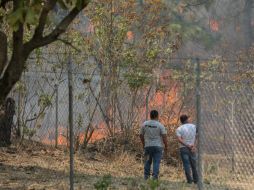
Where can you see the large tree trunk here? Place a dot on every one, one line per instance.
(3, 51)
(11, 71)
(6, 121)
(21, 50)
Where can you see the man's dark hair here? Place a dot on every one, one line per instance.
(183, 118)
(154, 114)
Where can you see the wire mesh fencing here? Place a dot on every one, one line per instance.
(226, 112)
(42, 108)
(227, 106)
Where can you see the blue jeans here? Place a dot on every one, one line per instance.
(153, 154)
(189, 160)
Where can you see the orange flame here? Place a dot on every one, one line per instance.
(130, 35)
(167, 100)
(98, 134)
(61, 139)
(62, 135)
(214, 25)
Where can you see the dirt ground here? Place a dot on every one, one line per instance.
(39, 167)
(36, 166)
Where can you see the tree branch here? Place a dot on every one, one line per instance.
(17, 41)
(38, 33)
(69, 44)
(22, 51)
(17, 62)
(106, 118)
(60, 29)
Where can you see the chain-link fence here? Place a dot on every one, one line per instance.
(226, 112)
(43, 109)
(42, 105)
(227, 107)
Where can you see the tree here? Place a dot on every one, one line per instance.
(31, 27)
(130, 41)
(126, 43)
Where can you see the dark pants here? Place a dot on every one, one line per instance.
(153, 155)
(189, 160)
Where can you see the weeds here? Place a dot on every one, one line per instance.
(103, 183)
(153, 184)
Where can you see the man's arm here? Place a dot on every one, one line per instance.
(180, 140)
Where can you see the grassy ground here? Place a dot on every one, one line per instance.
(218, 168)
(39, 167)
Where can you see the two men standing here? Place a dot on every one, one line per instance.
(153, 135)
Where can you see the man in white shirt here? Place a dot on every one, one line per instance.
(153, 135)
(186, 135)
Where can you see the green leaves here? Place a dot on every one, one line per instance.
(15, 18)
(31, 17)
(104, 183)
(2, 12)
(25, 14)
(137, 79)
(152, 53)
(28, 12)
(20, 87)
(45, 100)
(193, 32)
(175, 27)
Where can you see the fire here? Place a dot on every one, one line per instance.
(130, 35)
(63, 140)
(158, 99)
(168, 101)
(214, 25)
(98, 134)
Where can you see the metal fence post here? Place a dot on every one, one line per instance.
(70, 84)
(19, 115)
(56, 122)
(232, 129)
(199, 127)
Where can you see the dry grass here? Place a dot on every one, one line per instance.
(40, 167)
(218, 171)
